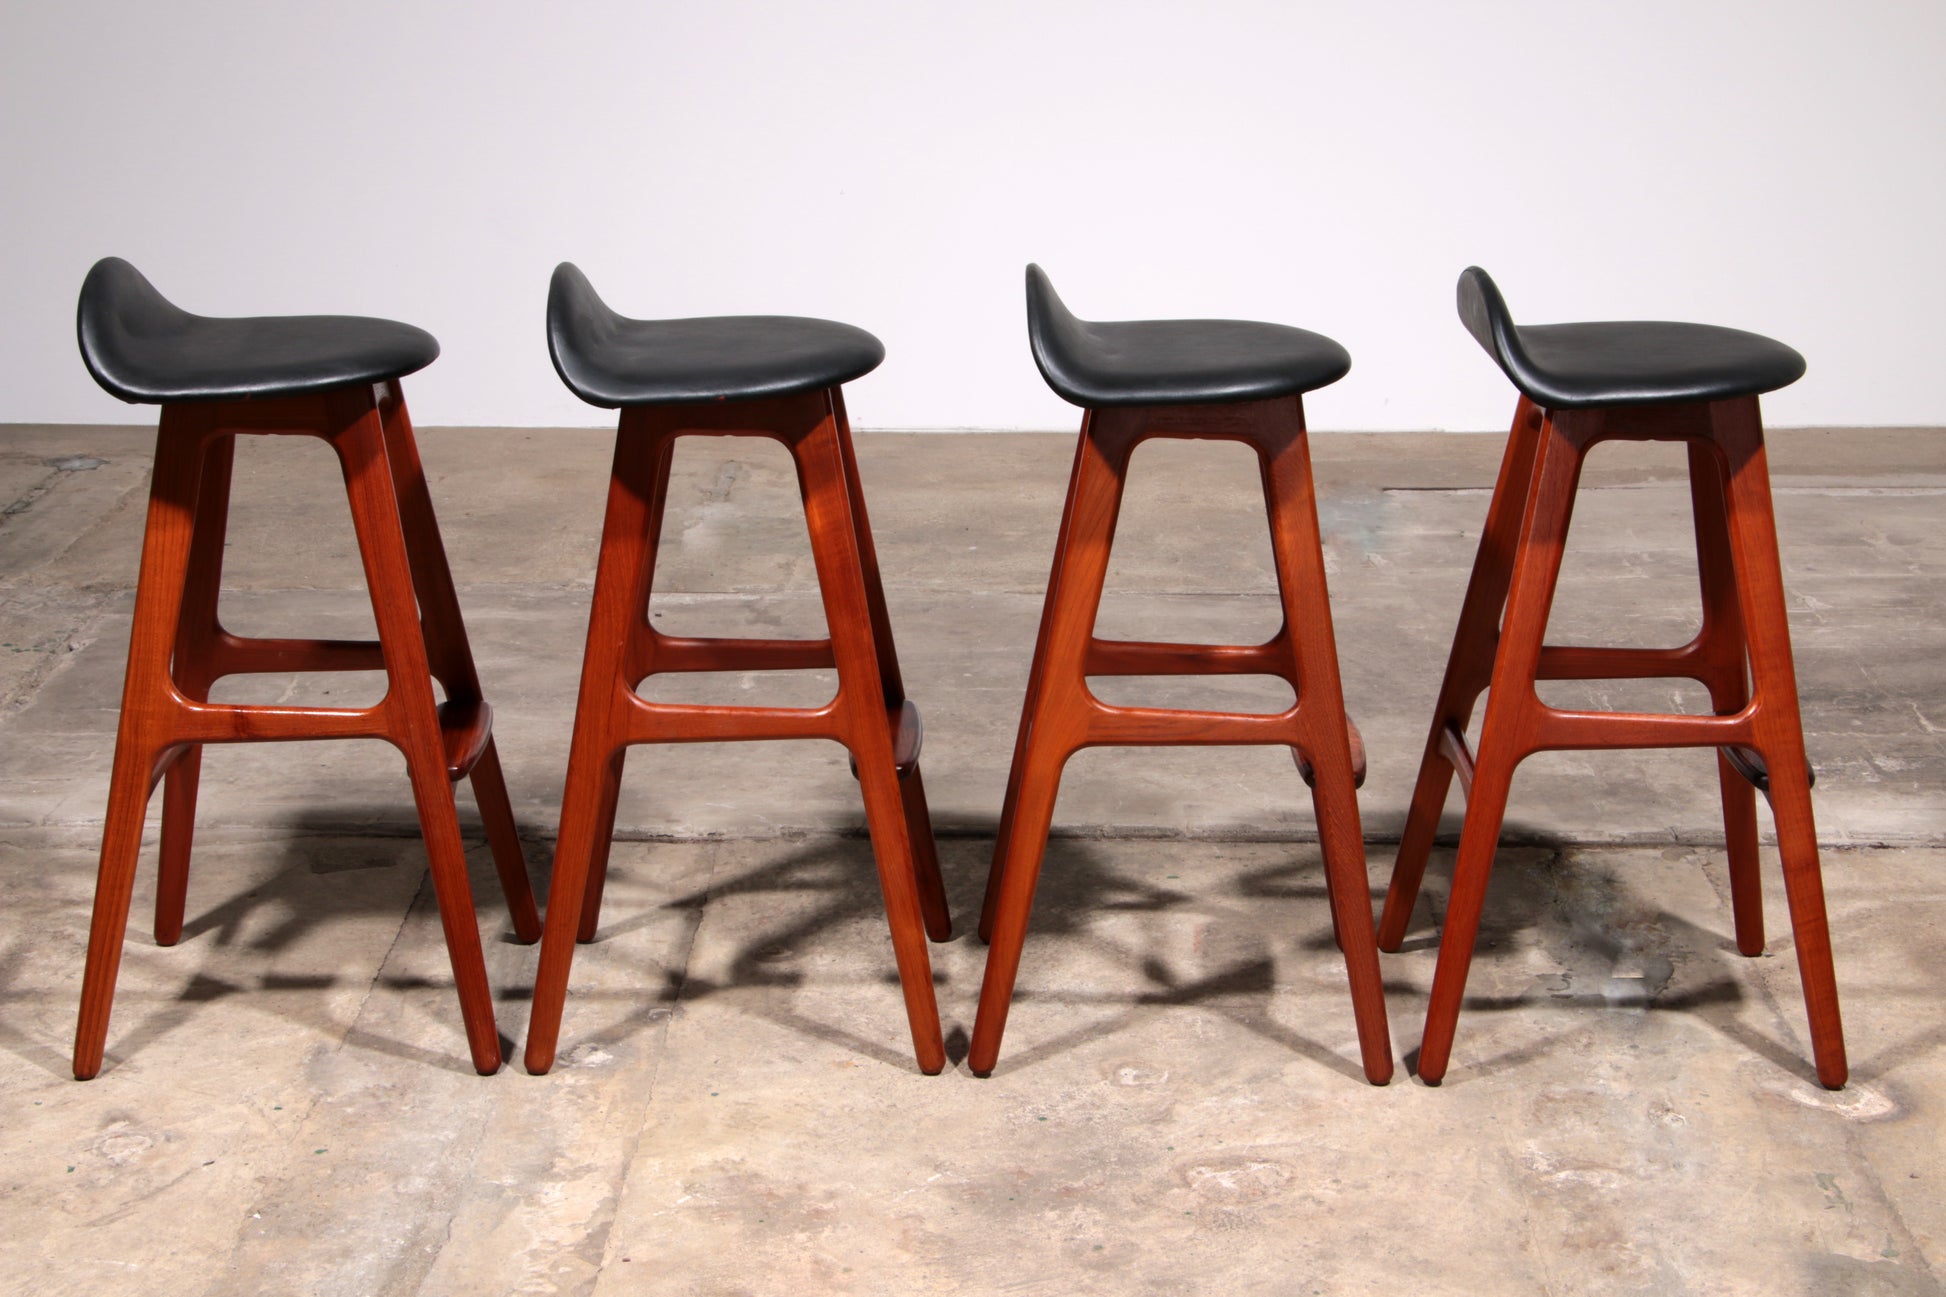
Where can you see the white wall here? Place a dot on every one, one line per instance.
(1774, 164)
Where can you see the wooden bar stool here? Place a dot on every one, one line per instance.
(1581, 384)
(1223, 380)
(765, 376)
(335, 378)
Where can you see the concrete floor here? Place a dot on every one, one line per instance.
(287, 1106)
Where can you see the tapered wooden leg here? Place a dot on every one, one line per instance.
(121, 843)
(617, 630)
(140, 743)
(1297, 548)
(1036, 670)
(450, 655)
(1727, 681)
(179, 786)
(193, 664)
(925, 856)
(360, 442)
(912, 789)
(1543, 536)
(1024, 849)
(836, 551)
(1058, 718)
(503, 841)
(654, 453)
(601, 840)
(1468, 667)
(1778, 729)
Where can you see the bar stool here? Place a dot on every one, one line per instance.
(335, 378)
(1223, 380)
(765, 376)
(1581, 384)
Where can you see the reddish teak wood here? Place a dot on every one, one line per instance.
(178, 649)
(1061, 716)
(1742, 655)
(869, 714)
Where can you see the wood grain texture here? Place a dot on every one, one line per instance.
(178, 648)
(1061, 715)
(869, 714)
(1741, 654)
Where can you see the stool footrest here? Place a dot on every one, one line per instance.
(233, 655)
(1164, 658)
(1575, 662)
(464, 729)
(1749, 763)
(1452, 746)
(908, 736)
(1357, 741)
(676, 653)
(708, 723)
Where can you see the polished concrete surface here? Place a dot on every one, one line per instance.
(287, 1105)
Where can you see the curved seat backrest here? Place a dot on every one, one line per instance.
(1051, 329)
(1484, 313)
(576, 318)
(118, 307)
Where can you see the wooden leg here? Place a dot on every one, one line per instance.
(1058, 716)
(836, 551)
(450, 656)
(617, 626)
(194, 671)
(637, 653)
(503, 841)
(601, 839)
(1296, 545)
(1779, 733)
(359, 438)
(925, 856)
(912, 789)
(141, 745)
(1036, 670)
(1728, 683)
(1468, 668)
(1511, 702)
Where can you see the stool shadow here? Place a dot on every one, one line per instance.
(837, 875)
(240, 933)
(1080, 882)
(1538, 898)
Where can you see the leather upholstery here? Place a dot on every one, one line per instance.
(1172, 362)
(142, 347)
(1637, 362)
(611, 360)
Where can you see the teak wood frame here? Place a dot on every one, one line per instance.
(1741, 654)
(178, 649)
(1060, 715)
(869, 714)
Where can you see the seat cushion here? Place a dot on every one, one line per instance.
(612, 360)
(142, 347)
(1623, 362)
(1172, 362)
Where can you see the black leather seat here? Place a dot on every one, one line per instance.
(1172, 362)
(611, 360)
(1633, 362)
(143, 347)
